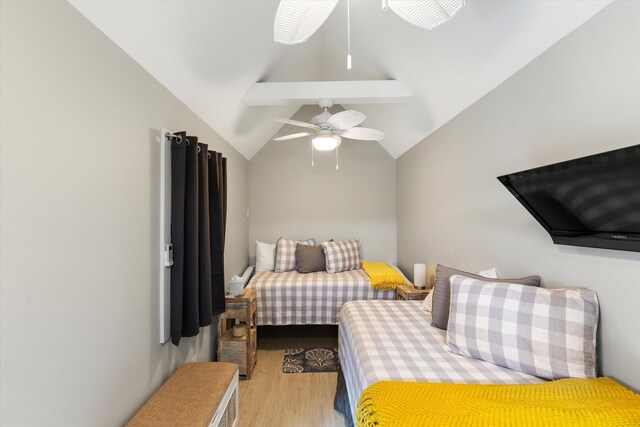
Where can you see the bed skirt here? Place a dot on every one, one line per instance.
(341, 401)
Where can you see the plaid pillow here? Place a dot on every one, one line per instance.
(442, 292)
(427, 303)
(343, 255)
(286, 253)
(549, 333)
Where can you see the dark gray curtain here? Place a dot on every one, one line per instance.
(198, 221)
(217, 215)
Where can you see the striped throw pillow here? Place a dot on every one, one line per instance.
(286, 253)
(549, 333)
(343, 255)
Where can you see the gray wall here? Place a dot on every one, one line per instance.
(290, 198)
(581, 97)
(79, 218)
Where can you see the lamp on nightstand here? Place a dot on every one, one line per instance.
(419, 273)
(424, 275)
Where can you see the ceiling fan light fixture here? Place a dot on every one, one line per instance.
(325, 142)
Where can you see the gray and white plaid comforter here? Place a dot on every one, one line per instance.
(291, 298)
(394, 340)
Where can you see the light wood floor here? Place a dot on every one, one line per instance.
(273, 398)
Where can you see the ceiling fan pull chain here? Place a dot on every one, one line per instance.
(337, 161)
(312, 153)
(348, 35)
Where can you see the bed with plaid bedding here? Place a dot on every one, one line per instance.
(394, 340)
(292, 298)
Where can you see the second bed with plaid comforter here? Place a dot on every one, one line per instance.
(292, 298)
(394, 340)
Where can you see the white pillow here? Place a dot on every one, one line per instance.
(265, 256)
(428, 302)
(490, 273)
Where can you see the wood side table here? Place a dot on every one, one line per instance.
(406, 293)
(240, 350)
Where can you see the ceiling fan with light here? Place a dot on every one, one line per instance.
(297, 20)
(327, 130)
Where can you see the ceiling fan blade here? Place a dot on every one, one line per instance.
(426, 13)
(297, 20)
(297, 123)
(364, 134)
(347, 119)
(292, 136)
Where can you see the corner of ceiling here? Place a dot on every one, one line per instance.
(282, 129)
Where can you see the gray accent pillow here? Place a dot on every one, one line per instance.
(442, 291)
(310, 258)
(549, 333)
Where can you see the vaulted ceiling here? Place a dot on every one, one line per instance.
(209, 53)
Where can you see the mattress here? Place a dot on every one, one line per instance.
(292, 298)
(394, 340)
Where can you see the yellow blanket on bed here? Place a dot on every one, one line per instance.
(381, 276)
(568, 402)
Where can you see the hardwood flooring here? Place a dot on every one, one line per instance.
(273, 398)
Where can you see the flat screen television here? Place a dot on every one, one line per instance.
(592, 201)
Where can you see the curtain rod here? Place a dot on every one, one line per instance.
(171, 135)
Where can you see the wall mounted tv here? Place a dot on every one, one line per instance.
(592, 201)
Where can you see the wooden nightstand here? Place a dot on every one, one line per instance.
(240, 350)
(406, 292)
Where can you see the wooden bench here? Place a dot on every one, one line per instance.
(197, 394)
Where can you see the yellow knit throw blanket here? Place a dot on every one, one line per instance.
(381, 276)
(569, 402)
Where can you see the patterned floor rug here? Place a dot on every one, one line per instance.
(301, 360)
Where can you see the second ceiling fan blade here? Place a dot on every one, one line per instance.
(426, 13)
(347, 119)
(297, 20)
(364, 134)
(297, 123)
(292, 136)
